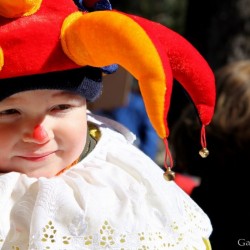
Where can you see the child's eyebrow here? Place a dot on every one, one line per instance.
(67, 96)
(11, 99)
(64, 93)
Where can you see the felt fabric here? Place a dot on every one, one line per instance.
(130, 47)
(32, 58)
(17, 8)
(31, 44)
(153, 53)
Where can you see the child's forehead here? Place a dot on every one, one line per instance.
(41, 93)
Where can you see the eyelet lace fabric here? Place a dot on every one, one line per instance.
(115, 198)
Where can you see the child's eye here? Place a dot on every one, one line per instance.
(9, 112)
(61, 107)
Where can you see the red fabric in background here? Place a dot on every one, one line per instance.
(187, 183)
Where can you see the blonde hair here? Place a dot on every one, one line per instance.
(232, 110)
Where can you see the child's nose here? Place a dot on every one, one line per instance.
(38, 135)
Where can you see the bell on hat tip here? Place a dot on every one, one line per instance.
(204, 152)
(169, 175)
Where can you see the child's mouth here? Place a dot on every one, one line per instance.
(36, 157)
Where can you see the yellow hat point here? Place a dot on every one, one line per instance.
(18, 8)
(1, 59)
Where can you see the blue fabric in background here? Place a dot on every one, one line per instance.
(135, 118)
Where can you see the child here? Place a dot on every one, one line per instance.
(73, 180)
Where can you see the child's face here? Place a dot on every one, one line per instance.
(62, 119)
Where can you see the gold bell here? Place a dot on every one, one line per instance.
(204, 152)
(169, 175)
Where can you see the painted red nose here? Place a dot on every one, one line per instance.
(40, 133)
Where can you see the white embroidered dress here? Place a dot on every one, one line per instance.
(115, 198)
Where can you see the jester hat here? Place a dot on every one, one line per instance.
(41, 37)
